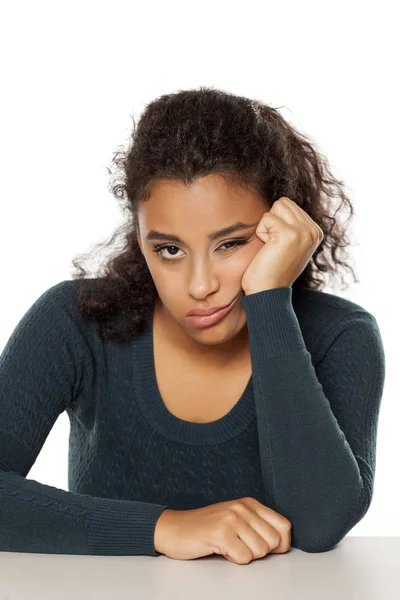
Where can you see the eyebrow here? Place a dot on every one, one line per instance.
(158, 235)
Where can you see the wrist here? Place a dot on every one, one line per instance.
(163, 522)
(264, 288)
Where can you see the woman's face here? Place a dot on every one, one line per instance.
(197, 271)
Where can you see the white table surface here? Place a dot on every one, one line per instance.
(359, 568)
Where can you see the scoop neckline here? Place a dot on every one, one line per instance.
(163, 421)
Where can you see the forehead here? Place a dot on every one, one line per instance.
(173, 202)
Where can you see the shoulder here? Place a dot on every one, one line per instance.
(58, 308)
(66, 294)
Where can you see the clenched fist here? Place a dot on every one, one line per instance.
(241, 530)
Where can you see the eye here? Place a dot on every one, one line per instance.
(233, 243)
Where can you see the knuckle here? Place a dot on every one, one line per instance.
(230, 517)
(312, 235)
(306, 236)
(247, 500)
(285, 523)
(274, 541)
(240, 507)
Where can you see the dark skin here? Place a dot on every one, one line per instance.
(200, 272)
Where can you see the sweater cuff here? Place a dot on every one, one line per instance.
(123, 527)
(272, 323)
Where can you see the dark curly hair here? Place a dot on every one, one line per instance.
(191, 134)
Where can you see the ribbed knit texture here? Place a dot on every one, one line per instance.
(301, 438)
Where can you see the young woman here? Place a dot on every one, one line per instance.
(239, 433)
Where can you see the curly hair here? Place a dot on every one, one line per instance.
(190, 134)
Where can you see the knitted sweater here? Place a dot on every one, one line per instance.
(301, 439)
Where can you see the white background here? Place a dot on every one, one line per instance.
(73, 73)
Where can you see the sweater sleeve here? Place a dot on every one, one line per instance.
(317, 425)
(41, 370)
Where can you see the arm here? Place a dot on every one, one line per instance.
(41, 370)
(317, 426)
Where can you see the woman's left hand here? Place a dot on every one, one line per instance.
(290, 239)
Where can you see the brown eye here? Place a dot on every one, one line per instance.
(232, 244)
(159, 249)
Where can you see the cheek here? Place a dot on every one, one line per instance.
(239, 262)
(161, 277)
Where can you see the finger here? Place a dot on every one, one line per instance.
(302, 214)
(299, 213)
(261, 526)
(278, 521)
(273, 223)
(259, 544)
(288, 213)
(285, 543)
(235, 549)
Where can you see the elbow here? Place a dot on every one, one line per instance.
(311, 537)
(316, 539)
(315, 544)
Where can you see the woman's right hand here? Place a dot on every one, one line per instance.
(241, 530)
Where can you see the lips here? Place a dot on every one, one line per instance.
(201, 322)
(206, 311)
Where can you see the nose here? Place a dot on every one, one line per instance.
(203, 280)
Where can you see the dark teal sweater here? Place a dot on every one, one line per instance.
(301, 438)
